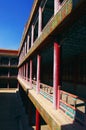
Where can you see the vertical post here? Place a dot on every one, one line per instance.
(37, 120)
(18, 85)
(30, 73)
(38, 74)
(56, 76)
(56, 6)
(21, 71)
(8, 74)
(40, 21)
(28, 40)
(8, 85)
(25, 48)
(18, 72)
(27, 71)
(9, 62)
(32, 35)
(24, 71)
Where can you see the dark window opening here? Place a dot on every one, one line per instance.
(36, 31)
(14, 61)
(13, 72)
(48, 12)
(4, 61)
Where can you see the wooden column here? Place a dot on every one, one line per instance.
(40, 21)
(25, 48)
(32, 35)
(28, 40)
(38, 74)
(8, 74)
(30, 73)
(9, 62)
(19, 72)
(24, 72)
(8, 85)
(56, 6)
(37, 120)
(27, 71)
(18, 85)
(56, 76)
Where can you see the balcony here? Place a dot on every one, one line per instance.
(72, 107)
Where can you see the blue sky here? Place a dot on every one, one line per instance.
(13, 16)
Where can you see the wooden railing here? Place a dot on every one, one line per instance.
(46, 91)
(73, 106)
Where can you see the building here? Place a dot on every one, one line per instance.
(8, 68)
(51, 69)
(52, 59)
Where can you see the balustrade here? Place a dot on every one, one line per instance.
(73, 106)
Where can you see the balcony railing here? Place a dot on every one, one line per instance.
(46, 91)
(70, 104)
(73, 106)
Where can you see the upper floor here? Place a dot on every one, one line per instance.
(46, 16)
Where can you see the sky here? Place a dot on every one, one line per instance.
(13, 17)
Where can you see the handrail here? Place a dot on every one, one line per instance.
(48, 88)
(68, 105)
(72, 95)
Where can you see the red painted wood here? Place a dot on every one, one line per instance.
(11, 52)
(27, 71)
(56, 76)
(37, 120)
(30, 73)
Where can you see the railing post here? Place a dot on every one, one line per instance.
(37, 120)
(30, 73)
(56, 76)
(38, 73)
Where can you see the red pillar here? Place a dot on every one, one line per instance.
(30, 73)
(40, 21)
(56, 76)
(38, 74)
(37, 120)
(28, 40)
(24, 72)
(32, 35)
(27, 71)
